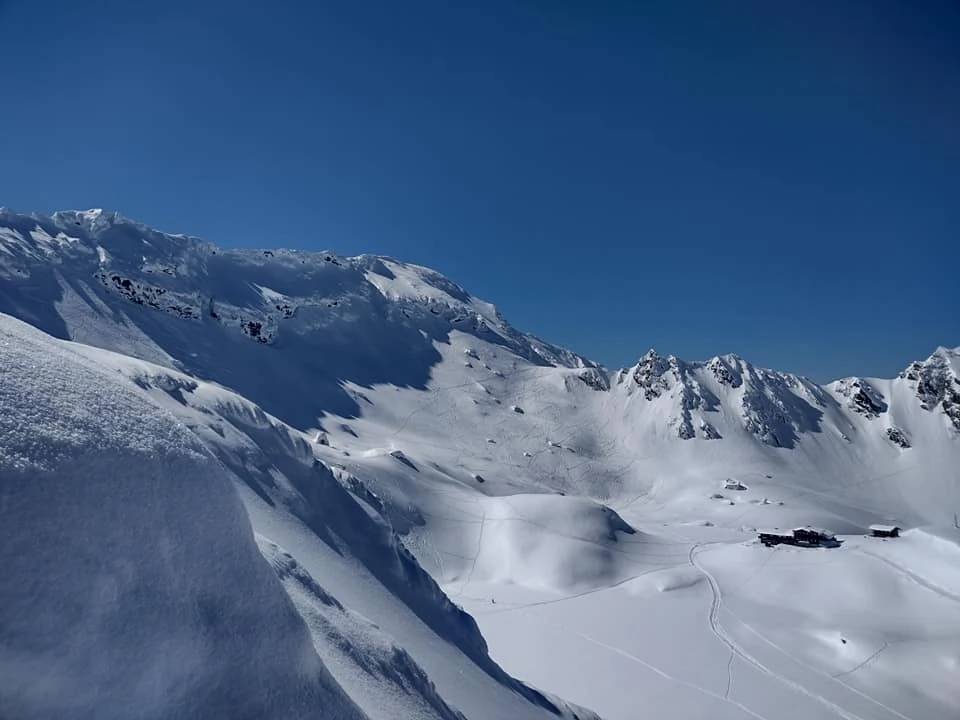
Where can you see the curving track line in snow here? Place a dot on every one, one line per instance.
(797, 660)
(715, 627)
(671, 678)
(473, 566)
(523, 606)
(864, 663)
(918, 579)
(726, 693)
(718, 598)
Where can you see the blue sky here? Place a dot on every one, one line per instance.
(776, 179)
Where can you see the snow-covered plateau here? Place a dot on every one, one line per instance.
(281, 484)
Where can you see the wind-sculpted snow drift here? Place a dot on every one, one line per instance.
(131, 587)
(394, 444)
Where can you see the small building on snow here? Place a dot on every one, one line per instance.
(813, 536)
(802, 537)
(776, 537)
(885, 531)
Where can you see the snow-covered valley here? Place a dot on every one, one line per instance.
(467, 521)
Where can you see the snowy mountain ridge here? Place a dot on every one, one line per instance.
(273, 293)
(775, 406)
(172, 273)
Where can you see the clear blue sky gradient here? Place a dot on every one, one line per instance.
(776, 179)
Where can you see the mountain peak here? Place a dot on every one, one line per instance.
(945, 354)
(93, 221)
(936, 382)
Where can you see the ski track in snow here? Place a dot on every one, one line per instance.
(671, 678)
(820, 672)
(914, 577)
(476, 555)
(715, 627)
(873, 656)
(726, 692)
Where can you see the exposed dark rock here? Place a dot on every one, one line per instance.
(709, 431)
(147, 295)
(936, 385)
(650, 373)
(724, 374)
(863, 397)
(595, 379)
(898, 437)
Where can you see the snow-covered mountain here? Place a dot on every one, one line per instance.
(396, 445)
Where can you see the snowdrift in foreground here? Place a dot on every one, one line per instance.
(383, 677)
(132, 587)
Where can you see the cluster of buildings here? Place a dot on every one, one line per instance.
(818, 537)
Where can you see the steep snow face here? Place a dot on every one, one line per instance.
(380, 675)
(131, 586)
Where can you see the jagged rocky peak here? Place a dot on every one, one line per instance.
(726, 370)
(775, 407)
(656, 374)
(936, 382)
(862, 397)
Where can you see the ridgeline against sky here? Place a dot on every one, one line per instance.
(775, 179)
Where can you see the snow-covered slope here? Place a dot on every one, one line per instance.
(131, 587)
(181, 302)
(357, 401)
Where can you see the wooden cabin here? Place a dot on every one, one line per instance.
(813, 536)
(776, 537)
(803, 536)
(885, 531)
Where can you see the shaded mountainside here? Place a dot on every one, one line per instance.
(366, 320)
